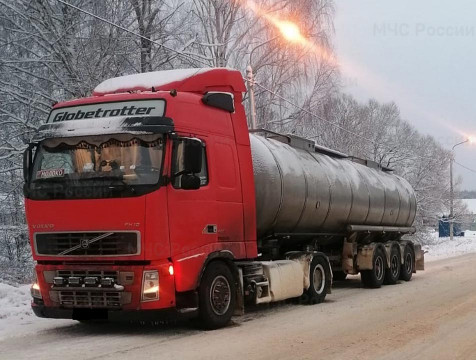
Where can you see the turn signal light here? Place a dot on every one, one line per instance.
(35, 291)
(171, 270)
(150, 285)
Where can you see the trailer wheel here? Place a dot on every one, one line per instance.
(406, 271)
(217, 296)
(320, 281)
(374, 278)
(392, 273)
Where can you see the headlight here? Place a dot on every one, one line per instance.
(35, 291)
(150, 285)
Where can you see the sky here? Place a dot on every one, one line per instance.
(421, 55)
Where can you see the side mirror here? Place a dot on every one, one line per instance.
(27, 161)
(192, 156)
(219, 100)
(190, 182)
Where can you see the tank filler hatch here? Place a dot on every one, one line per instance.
(298, 142)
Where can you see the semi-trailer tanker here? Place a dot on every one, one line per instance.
(152, 197)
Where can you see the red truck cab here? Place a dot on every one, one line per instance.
(131, 192)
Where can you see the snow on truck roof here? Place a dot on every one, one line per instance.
(194, 80)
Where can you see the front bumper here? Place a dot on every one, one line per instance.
(112, 315)
(64, 301)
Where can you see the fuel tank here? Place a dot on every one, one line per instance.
(302, 188)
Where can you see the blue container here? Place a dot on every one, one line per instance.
(444, 228)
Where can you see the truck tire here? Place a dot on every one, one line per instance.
(320, 281)
(406, 271)
(392, 273)
(217, 296)
(339, 276)
(374, 278)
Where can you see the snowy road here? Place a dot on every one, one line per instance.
(431, 317)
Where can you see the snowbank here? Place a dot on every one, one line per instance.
(16, 316)
(441, 248)
(15, 302)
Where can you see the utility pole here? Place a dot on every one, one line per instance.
(251, 86)
(289, 32)
(250, 79)
(451, 196)
(452, 210)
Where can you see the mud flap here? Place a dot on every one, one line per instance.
(365, 257)
(240, 296)
(419, 258)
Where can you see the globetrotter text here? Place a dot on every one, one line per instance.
(100, 113)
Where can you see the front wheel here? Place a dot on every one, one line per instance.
(217, 296)
(320, 281)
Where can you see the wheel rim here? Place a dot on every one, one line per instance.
(318, 278)
(220, 295)
(395, 266)
(408, 263)
(379, 268)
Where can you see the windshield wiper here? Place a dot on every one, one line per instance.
(51, 179)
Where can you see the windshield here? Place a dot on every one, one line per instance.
(101, 164)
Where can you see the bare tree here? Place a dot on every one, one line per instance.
(157, 20)
(50, 52)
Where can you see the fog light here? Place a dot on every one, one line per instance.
(107, 282)
(74, 281)
(59, 281)
(90, 281)
(150, 285)
(35, 291)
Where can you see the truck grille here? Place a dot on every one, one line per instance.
(88, 243)
(90, 299)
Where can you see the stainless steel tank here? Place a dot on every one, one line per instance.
(301, 188)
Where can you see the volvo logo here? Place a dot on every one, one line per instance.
(84, 243)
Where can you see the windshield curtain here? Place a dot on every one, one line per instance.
(123, 162)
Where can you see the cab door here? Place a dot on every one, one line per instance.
(192, 212)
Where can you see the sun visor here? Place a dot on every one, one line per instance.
(138, 117)
(105, 126)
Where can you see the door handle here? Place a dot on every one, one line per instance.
(210, 229)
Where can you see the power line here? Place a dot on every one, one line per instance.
(200, 60)
(311, 114)
(208, 65)
(325, 120)
(464, 167)
(179, 53)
